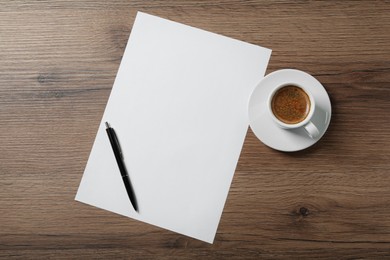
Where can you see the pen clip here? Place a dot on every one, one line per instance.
(117, 144)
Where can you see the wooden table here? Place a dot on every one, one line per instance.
(58, 61)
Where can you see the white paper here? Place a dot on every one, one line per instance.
(179, 108)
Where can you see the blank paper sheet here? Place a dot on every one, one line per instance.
(179, 108)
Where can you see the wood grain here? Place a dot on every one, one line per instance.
(58, 61)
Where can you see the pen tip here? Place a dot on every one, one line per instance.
(107, 125)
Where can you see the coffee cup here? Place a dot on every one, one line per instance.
(292, 106)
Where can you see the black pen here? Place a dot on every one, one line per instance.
(121, 164)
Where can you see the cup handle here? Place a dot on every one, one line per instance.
(312, 130)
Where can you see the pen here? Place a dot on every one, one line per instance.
(121, 164)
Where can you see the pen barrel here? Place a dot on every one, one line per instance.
(122, 168)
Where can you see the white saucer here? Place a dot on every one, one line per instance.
(266, 129)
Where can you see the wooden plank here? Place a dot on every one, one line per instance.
(58, 61)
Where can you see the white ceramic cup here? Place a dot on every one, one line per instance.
(307, 124)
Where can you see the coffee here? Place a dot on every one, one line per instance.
(290, 104)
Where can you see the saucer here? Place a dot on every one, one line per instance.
(268, 131)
